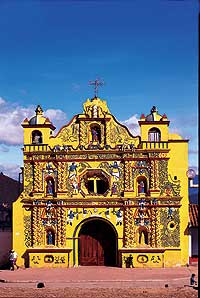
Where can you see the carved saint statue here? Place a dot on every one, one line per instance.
(50, 187)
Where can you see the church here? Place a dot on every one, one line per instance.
(96, 195)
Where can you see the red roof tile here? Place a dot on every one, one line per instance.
(194, 215)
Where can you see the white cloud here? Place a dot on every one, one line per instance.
(12, 115)
(11, 132)
(57, 117)
(2, 101)
(10, 170)
(132, 124)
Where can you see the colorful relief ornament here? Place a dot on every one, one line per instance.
(70, 216)
(115, 170)
(119, 216)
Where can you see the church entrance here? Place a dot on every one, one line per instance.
(97, 244)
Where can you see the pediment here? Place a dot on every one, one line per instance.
(96, 128)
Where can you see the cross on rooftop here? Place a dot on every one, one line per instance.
(96, 85)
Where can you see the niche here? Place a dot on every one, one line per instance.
(50, 237)
(95, 133)
(36, 137)
(50, 186)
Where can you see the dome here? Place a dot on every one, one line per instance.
(33, 120)
(38, 118)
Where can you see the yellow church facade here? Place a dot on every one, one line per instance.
(95, 195)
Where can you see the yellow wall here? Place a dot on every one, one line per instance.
(178, 165)
(118, 139)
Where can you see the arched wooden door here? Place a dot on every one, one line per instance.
(97, 244)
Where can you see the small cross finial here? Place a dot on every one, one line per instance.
(96, 84)
(39, 110)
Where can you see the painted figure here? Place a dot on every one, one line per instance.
(114, 188)
(70, 217)
(141, 215)
(94, 135)
(170, 212)
(75, 185)
(142, 203)
(107, 213)
(85, 212)
(72, 169)
(115, 172)
(141, 187)
(119, 216)
(49, 238)
(49, 187)
(36, 139)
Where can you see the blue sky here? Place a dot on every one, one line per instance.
(145, 51)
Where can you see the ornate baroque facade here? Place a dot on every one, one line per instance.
(94, 194)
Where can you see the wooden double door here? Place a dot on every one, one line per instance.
(97, 244)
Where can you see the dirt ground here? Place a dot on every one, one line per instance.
(98, 282)
(97, 293)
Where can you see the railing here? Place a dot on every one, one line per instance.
(154, 145)
(34, 147)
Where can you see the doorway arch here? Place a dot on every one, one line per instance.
(97, 244)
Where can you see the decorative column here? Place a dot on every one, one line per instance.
(62, 176)
(59, 227)
(155, 226)
(154, 178)
(39, 226)
(37, 231)
(156, 175)
(83, 133)
(38, 177)
(28, 177)
(63, 227)
(126, 176)
(129, 238)
(34, 226)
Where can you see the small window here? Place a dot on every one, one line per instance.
(154, 135)
(36, 137)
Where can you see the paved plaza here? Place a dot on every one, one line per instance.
(104, 277)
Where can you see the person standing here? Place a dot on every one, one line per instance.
(13, 260)
(192, 280)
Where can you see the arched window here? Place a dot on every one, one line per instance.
(50, 237)
(50, 186)
(141, 185)
(143, 236)
(154, 135)
(36, 137)
(95, 133)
